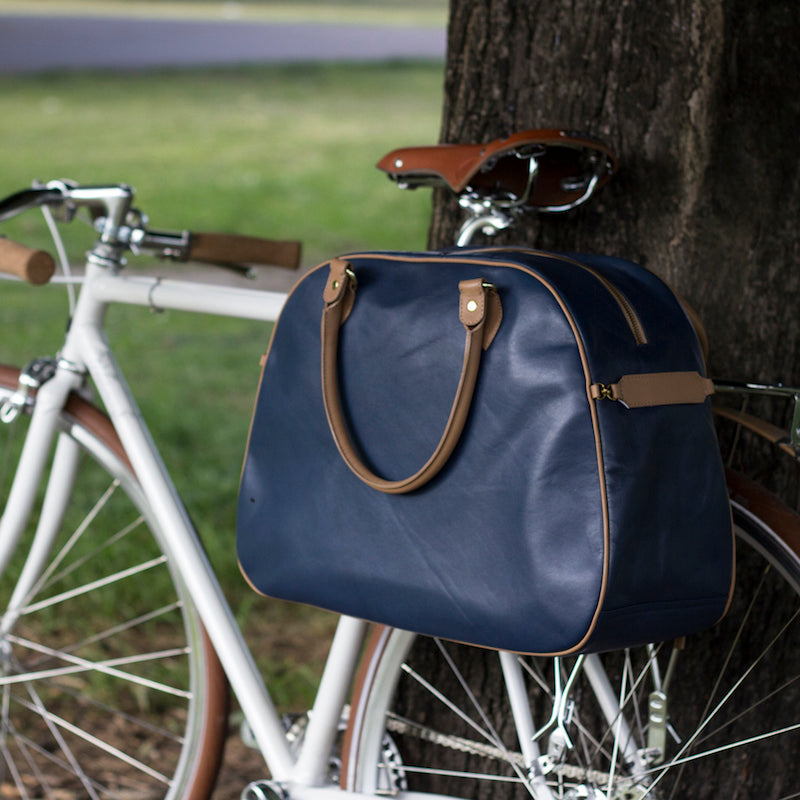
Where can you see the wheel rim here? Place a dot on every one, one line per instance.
(736, 683)
(108, 687)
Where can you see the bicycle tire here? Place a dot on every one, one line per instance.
(398, 741)
(109, 685)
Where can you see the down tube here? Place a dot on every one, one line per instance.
(186, 551)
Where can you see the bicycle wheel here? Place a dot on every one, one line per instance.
(108, 685)
(722, 722)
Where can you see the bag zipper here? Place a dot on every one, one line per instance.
(631, 317)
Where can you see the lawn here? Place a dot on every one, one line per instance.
(281, 151)
(273, 151)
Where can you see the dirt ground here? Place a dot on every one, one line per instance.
(241, 766)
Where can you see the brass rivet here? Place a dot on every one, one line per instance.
(336, 284)
(472, 305)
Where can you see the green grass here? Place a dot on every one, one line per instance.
(281, 152)
(285, 152)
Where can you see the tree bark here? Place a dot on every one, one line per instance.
(700, 100)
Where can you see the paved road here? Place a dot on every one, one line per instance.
(30, 44)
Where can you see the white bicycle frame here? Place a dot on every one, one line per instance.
(86, 352)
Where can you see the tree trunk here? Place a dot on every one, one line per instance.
(700, 100)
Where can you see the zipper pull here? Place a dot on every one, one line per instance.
(603, 391)
(655, 389)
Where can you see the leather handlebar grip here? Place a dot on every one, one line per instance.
(224, 248)
(33, 266)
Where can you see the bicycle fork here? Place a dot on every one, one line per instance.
(51, 397)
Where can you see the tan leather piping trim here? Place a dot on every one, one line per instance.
(617, 295)
(697, 323)
(592, 410)
(263, 362)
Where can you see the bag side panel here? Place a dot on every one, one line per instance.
(671, 547)
(668, 502)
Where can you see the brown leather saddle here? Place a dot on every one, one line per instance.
(545, 169)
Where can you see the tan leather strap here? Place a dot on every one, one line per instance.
(656, 389)
(480, 313)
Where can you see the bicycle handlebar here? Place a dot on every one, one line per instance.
(33, 266)
(123, 227)
(226, 248)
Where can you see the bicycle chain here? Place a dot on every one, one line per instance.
(570, 772)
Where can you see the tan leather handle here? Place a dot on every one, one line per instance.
(33, 266)
(479, 311)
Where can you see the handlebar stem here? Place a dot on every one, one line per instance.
(111, 202)
(111, 207)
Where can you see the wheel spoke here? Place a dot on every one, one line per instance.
(51, 578)
(60, 722)
(628, 701)
(488, 732)
(68, 546)
(52, 724)
(680, 758)
(123, 627)
(449, 703)
(108, 667)
(122, 575)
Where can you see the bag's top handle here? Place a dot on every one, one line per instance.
(480, 312)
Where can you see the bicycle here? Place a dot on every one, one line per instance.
(641, 723)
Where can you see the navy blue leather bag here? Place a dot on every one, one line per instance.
(508, 448)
